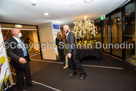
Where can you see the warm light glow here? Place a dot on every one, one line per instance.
(85, 17)
(18, 26)
(46, 14)
(118, 19)
(84, 27)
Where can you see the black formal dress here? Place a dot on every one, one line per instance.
(60, 51)
(14, 51)
(70, 42)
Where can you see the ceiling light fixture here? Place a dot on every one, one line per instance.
(18, 26)
(33, 2)
(88, 1)
(71, 5)
(118, 19)
(46, 14)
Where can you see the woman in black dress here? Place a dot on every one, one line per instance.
(60, 51)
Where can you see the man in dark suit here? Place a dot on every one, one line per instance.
(71, 52)
(19, 59)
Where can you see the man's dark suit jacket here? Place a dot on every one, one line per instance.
(15, 53)
(70, 41)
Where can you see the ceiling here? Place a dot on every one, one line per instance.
(60, 11)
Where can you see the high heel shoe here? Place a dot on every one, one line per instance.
(65, 67)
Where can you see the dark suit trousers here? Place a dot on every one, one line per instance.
(20, 76)
(61, 54)
(76, 65)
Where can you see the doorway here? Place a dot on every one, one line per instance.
(29, 37)
(112, 34)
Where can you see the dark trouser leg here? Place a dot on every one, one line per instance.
(73, 67)
(61, 54)
(28, 74)
(20, 78)
(77, 64)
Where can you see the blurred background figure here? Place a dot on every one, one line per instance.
(28, 41)
(60, 51)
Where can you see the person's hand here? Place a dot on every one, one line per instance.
(69, 55)
(22, 60)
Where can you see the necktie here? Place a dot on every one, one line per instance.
(67, 35)
(23, 48)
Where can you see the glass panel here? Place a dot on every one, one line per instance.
(130, 34)
(98, 34)
(106, 35)
(116, 33)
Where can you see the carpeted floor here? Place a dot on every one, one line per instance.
(98, 78)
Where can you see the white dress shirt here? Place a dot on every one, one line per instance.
(67, 34)
(17, 39)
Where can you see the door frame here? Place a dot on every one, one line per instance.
(122, 10)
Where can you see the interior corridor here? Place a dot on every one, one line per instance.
(109, 74)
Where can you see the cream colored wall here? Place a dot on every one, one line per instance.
(46, 35)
